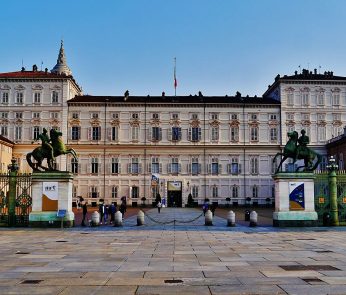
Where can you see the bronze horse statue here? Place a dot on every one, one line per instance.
(40, 153)
(296, 152)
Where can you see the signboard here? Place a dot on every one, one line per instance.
(174, 186)
(61, 213)
(154, 180)
(296, 196)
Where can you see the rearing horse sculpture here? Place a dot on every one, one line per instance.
(40, 153)
(296, 152)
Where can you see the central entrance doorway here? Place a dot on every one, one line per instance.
(174, 194)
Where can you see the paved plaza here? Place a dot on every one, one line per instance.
(181, 257)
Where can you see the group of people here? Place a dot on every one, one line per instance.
(206, 206)
(106, 212)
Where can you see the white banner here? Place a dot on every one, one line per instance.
(50, 189)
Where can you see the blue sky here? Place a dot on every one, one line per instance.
(221, 46)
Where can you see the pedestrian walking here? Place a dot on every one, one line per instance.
(106, 214)
(85, 211)
(159, 205)
(205, 208)
(123, 208)
(112, 210)
(101, 211)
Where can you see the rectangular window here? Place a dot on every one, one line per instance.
(93, 191)
(176, 133)
(155, 116)
(18, 133)
(214, 116)
(290, 116)
(336, 99)
(234, 167)
(320, 99)
(290, 99)
(54, 115)
(114, 133)
(215, 166)
(134, 133)
(306, 117)
(215, 192)
(195, 134)
(35, 132)
(234, 116)
(134, 192)
(115, 165)
(272, 117)
(75, 132)
(115, 116)
(336, 117)
(55, 97)
(135, 116)
(74, 166)
(255, 191)
(273, 134)
(235, 134)
(254, 165)
(155, 165)
(3, 130)
(94, 166)
(96, 133)
(194, 116)
(321, 133)
(195, 166)
(321, 117)
(37, 97)
(156, 133)
(75, 115)
(175, 166)
(215, 133)
(175, 116)
(36, 115)
(195, 191)
(4, 115)
(114, 192)
(94, 115)
(134, 166)
(254, 133)
(305, 99)
(253, 117)
(5, 97)
(235, 191)
(19, 97)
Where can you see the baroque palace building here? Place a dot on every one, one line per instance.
(221, 148)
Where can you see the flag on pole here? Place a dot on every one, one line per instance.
(175, 75)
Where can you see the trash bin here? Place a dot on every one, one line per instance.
(247, 215)
(326, 219)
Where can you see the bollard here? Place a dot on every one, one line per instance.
(95, 219)
(118, 219)
(140, 218)
(231, 218)
(208, 218)
(253, 218)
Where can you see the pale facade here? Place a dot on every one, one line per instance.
(211, 147)
(6, 147)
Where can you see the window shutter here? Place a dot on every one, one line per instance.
(209, 168)
(150, 133)
(99, 169)
(169, 168)
(189, 168)
(32, 133)
(189, 134)
(140, 168)
(179, 168)
(239, 168)
(109, 133)
(179, 133)
(99, 135)
(220, 169)
(160, 133)
(129, 166)
(229, 168)
(199, 134)
(68, 165)
(69, 133)
(119, 167)
(160, 168)
(79, 168)
(149, 167)
(169, 134)
(89, 133)
(79, 132)
(199, 168)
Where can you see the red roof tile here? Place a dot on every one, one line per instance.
(30, 74)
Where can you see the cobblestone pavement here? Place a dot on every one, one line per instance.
(173, 258)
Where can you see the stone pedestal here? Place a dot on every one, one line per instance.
(51, 191)
(294, 200)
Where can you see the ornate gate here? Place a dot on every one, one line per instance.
(22, 192)
(322, 199)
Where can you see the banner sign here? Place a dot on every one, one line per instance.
(296, 196)
(155, 180)
(174, 186)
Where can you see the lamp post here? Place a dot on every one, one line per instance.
(13, 170)
(332, 168)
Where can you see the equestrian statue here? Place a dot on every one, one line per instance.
(296, 149)
(52, 146)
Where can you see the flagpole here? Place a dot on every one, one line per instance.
(175, 77)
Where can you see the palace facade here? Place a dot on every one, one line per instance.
(221, 148)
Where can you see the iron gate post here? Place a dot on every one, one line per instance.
(13, 170)
(332, 167)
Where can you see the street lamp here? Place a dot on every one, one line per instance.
(333, 167)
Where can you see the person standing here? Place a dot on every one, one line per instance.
(85, 211)
(101, 211)
(123, 208)
(159, 205)
(112, 210)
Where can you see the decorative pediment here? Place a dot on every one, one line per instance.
(37, 87)
(321, 123)
(336, 89)
(19, 88)
(18, 121)
(3, 121)
(337, 123)
(234, 123)
(35, 121)
(5, 87)
(194, 123)
(95, 121)
(55, 87)
(155, 121)
(289, 89)
(115, 122)
(74, 122)
(306, 123)
(273, 123)
(305, 89)
(214, 123)
(174, 122)
(253, 124)
(319, 89)
(54, 122)
(134, 123)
